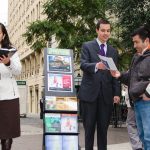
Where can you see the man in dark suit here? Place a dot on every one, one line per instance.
(99, 90)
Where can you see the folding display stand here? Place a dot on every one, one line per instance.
(60, 118)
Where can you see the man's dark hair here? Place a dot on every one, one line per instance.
(101, 21)
(143, 32)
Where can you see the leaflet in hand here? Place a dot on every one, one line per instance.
(108, 62)
(148, 89)
(7, 52)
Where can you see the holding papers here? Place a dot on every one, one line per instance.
(108, 62)
(7, 52)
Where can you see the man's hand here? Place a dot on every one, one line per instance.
(116, 99)
(115, 73)
(5, 60)
(100, 65)
(145, 98)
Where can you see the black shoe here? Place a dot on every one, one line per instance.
(6, 144)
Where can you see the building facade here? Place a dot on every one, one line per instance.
(20, 14)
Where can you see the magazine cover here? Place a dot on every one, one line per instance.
(52, 122)
(61, 103)
(70, 142)
(60, 83)
(50, 103)
(59, 63)
(66, 103)
(69, 123)
(53, 142)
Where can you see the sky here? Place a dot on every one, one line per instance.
(4, 11)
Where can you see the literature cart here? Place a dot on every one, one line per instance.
(60, 119)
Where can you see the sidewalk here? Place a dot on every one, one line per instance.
(32, 136)
(122, 146)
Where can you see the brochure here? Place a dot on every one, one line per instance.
(108, 62)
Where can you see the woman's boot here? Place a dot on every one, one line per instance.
(6, 144)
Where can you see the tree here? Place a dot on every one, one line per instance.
(131, 14)
(71, 21)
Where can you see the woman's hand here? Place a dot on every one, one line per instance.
(5, 60)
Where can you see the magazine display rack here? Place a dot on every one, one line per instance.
(60, 119)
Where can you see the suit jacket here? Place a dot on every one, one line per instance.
(93, 83)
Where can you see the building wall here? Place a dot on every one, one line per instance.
(20, 14)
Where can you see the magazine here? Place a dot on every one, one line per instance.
(7, 52)
(61, 142)
(70, 142)
(61, 103)
(53, 142)
(69, 123)
(52, 122)
(60, 83)
(59, 63)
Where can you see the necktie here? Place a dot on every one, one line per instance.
(102, 52)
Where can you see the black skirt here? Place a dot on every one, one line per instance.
(9, 119)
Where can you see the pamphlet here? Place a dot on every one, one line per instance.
(108, 62)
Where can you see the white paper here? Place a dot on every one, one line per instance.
(108, 62)
(148, 89)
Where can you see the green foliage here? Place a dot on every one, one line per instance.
(131, 14)
(71, 21)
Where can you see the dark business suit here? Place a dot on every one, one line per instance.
(96, 94)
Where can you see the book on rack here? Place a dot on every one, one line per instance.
(52, 122)
(69, 123)
(7, 52)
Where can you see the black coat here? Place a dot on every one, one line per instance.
(101, 81)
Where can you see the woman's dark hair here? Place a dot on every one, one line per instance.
(5, 43)
(143, 32)
(101, 21)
